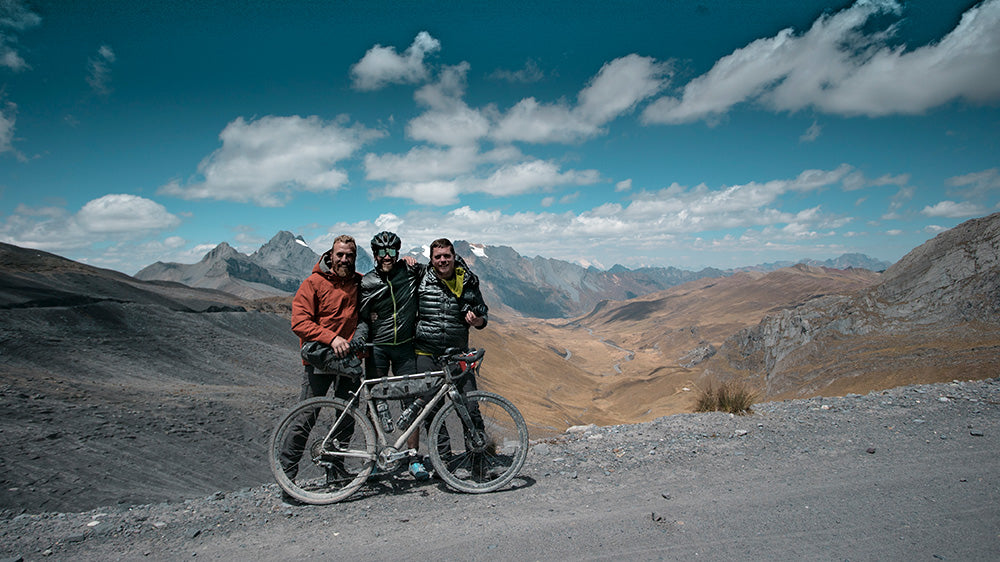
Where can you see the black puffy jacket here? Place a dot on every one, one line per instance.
(441, 314)
(388, 312)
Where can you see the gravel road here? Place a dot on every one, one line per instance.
(910, 473)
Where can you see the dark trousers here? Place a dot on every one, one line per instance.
(466, 384)
(316, 384)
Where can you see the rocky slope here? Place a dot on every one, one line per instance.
(936, 310)
(114, 389)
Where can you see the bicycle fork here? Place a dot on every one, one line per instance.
(476, 437)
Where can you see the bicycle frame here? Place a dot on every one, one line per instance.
(363, 394)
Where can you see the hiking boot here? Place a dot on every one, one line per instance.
(418, 471)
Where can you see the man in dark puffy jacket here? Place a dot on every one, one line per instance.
(449, 302)
(325, 316)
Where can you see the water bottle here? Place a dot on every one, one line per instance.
(382, 407)
(411, 412)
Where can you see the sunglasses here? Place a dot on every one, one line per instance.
(391, 252)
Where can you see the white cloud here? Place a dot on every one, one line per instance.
(672, 219)
(617, 89)
(620, 85)
(421, 163)
(99, 70)
(439, 177)
(14, 17)
(953, 210)
(812, 133)
(899, 200)
(504, 181)
(123, 213)
(113, 217)
(527, 74)
(624, 185)
(264, 161)
(382, 66)
(8, 117)
(449, 121)
(840, 67)
(977, 185)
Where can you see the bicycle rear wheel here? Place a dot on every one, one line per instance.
(313, 468)
(468, 468)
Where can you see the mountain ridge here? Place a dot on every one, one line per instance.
(537, 287)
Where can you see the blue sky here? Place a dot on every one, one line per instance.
(671, 133)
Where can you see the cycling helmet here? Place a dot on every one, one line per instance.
(386, 239)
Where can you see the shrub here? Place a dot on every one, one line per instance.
(731, 396)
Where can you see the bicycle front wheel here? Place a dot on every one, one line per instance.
(496, 461)
(322, 451)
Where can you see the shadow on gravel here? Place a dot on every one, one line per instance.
(390, 485)
(520, 482)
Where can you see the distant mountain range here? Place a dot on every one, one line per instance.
(275, 269)
(536, 287)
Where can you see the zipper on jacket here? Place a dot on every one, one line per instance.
(395, 311)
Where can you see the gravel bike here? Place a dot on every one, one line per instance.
(325, 448)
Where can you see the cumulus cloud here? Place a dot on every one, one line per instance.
(953, 209)
(422, 163)
(99, 70)
(381, 66)
(504, 181)
(15, 17)
(617, 89)
(448, 120)
(263, 161)
(437, 176)
(111, 217)
(840, 66)
(977, 185)
(676, 217)
(122, 213)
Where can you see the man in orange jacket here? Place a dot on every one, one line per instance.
(325, 316)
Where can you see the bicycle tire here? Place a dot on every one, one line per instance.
(466, 469)
(310, 474)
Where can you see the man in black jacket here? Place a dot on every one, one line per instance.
(388, 316)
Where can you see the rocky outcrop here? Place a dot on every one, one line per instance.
(946, 286)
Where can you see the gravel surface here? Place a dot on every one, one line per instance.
(910, 473)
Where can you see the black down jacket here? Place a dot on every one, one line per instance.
(441, 315)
